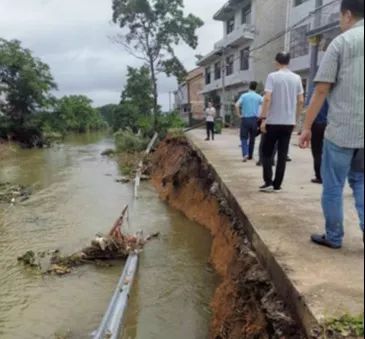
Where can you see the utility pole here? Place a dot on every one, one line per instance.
(315, 41)
(170, 103)
(223, 110)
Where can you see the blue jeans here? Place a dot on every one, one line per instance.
(249, 127)
(336, 168)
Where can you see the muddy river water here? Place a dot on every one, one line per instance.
(74, 197)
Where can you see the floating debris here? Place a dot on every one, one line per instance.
(123, 180)
(108, 153)
(114, 245)
(29, 259)
(11, 194)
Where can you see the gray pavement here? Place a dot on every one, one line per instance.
(331, 283)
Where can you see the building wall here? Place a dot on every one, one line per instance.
(271, 20)
(261, 60)
(238, 77)
(301, 63)
(195, 83)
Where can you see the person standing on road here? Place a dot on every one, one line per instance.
(283, 102)
(318, 131)
(248, 109)
(341, 79)
(210, 114)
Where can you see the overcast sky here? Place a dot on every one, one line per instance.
(72, 36)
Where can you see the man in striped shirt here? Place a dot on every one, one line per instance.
(341, 79)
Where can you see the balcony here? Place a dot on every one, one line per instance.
(240, 35)
(326, 19)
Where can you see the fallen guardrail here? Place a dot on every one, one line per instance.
(112, 323)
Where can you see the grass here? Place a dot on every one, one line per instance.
(347, 326)
(128, 163)
(176, 133)
(128, 142)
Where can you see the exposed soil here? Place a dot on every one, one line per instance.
(245, 304)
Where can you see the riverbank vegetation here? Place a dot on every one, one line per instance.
(132, 120)
(30, 114)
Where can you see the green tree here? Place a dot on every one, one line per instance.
(25, 82)
(153, 28)
(106, 112)
(125, 116)
(138, 90)
(75, 113)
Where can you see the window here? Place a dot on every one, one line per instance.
(299, 45)
(245, 59)
(230, 25)
(208, 76)
(229, 65)
(246, 15)
(299, 2)
(217, 71)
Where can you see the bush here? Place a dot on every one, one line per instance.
(128, 142)
(165, 122)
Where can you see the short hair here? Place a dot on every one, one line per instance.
(356, 7)
(253, 85)
(283, 58)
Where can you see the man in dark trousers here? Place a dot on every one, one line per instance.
(248, 109)
(283, 101)
(210, 115)
(318, 132)
(340, 79)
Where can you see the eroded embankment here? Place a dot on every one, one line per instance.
(245, 304)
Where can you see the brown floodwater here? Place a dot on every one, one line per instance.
(74, 197)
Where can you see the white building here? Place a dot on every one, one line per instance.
(242, 55)
(322, 24)
(254, 31)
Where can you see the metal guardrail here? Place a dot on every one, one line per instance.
(137, 180)
(113, 320)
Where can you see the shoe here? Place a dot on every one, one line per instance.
(207, 139)
(289, 159)
(259, 164)
(245, 159)
(321, 240)
(317, 181)
(267, 188)
(278, 190)
(250, 158)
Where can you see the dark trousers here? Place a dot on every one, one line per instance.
(280, 135)
(210, 130)
(318, 132)
(261, 150)
(248, 136)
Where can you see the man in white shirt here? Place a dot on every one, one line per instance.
(210, 114)
(283, 101)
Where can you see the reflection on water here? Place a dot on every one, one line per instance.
(75, 196)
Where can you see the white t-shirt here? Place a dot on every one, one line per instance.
(285, 87)
(210, 114)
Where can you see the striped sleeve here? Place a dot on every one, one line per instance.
(330, 64)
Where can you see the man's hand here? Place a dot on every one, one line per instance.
(263, 127)
(305, 138)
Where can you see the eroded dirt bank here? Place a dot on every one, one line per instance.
(245, 304)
